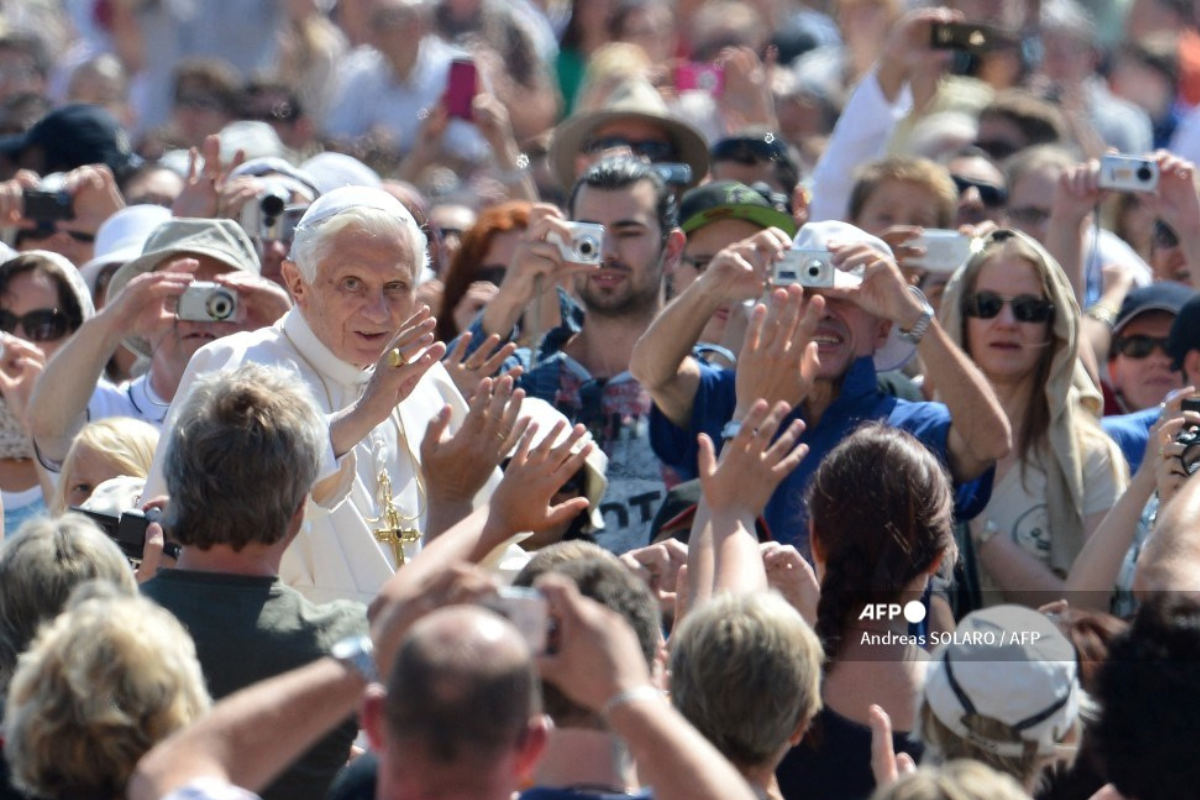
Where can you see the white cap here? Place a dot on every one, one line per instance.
(122, 237)
(255, 139)
(331, 171)
(116, 495)
(1010, 664)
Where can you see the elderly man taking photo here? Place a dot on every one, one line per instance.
(368, 356)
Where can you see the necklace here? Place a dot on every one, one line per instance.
(395, 529)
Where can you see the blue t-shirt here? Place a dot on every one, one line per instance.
(859, 401)
(1131, 432)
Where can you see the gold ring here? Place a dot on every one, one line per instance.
(396, 359)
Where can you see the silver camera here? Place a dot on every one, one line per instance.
(204, 301)
(586, 245)
(1128, 174)
(262, 217)
(805, 267)
(945, 251)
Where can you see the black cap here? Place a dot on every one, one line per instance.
(1167, 296)
(73, 136)
(1185, 332)
(720, 200)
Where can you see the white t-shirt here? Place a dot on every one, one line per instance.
(1018, 507)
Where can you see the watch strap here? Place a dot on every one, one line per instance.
(358, 653)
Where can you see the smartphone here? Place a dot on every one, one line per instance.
(45, 206)
(461, 87)
(705, 77)
(962, 36)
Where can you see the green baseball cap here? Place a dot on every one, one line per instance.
(720, 200)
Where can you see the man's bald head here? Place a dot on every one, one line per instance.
(463, 688)
(1170, 559)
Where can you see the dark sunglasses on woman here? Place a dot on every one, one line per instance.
(39, 325)
(1025, 307)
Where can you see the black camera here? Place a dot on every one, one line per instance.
(128, 530)
(1189, 437)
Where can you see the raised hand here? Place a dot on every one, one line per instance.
(793, 577)
(468, 372)
(658, 566)
(201, 193)
(524, 499)
(741, 270)
(21, 363)
(778, 360)
(751, 466)
(405, 360)
(456, 467)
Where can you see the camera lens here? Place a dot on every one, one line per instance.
(1144, 173)
(814, 268)
(586, 247)
(272, 205)
(220, 305)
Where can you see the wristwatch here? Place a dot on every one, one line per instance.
(357, 653)
(915, 334)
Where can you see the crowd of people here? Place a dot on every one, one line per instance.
(597, 398)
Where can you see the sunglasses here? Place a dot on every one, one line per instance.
(40, 325)
(745, 150)
(1139, 346)
(1025, 307)
(990, 194)
(45, 230)
(282, 111)
(1164, 237)
(651, 150)
(200, 102)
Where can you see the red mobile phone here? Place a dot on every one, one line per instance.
(706, 77)
(461, 87)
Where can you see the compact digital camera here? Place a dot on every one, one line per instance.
(806, 267)
(1189, 437)
(586, 245)
(1128, 174)
(261, 217)
(526, 610)
(128, 530)
(945, 251)
(204, 301)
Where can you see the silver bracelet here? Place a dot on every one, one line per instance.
(630, 696)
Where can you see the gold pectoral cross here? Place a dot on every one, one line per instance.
(393, 531)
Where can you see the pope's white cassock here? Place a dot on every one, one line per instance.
(337, 555)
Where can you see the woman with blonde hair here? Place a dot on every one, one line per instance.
(108, 448)
(100, 686)
(1012, 310)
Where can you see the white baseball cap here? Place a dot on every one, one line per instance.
(1012, 665)
(122, 237)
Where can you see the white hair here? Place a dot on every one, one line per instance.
(312, 243)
